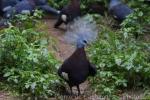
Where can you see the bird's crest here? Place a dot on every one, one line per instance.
(81, 29)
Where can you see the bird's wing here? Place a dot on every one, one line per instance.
(92, 70)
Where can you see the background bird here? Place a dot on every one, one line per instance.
(31, 5)
(77, 67)
(6, 5)
(69, 13)
(25, 6)
(43, 5)
(12, 7)
(9, 8)
(119, 10)
(97, 7)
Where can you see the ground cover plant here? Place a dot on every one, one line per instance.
(25, 62)
(122, 56)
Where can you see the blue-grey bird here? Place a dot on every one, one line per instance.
(25, 6)
(18, 7)
(43, 5)
(7, 10)
(77, 67)
(13, 7)
(21, 7)
(6, 6)
(119, 10)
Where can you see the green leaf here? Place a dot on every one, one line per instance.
(7, 74)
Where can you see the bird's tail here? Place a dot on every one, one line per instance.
(63, 75)
(92, 70)
(59, 72)
(81, 28)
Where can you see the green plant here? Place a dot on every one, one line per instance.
(26, 21)
(137, 23)
(84, 3)
(58, 3)
(25, 62)
(119, 63)
(122, 61)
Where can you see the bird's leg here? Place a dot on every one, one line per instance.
(58, 23)
(78, 90)
(71, 90)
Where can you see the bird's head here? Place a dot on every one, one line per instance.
(81, 43)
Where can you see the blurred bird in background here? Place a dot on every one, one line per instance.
(119, 10)
(69, 13)
(97, 7)
(43, 5)
(6, 6)
(9, 8)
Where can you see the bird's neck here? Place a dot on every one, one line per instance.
(80, 52)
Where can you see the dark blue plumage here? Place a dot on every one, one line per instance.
(6, 5)
(119, 10)
(77, 67)
(69, 13)
(11, 7)
(40, 2)
(25, 6)
(43, 5)
(8, 8)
